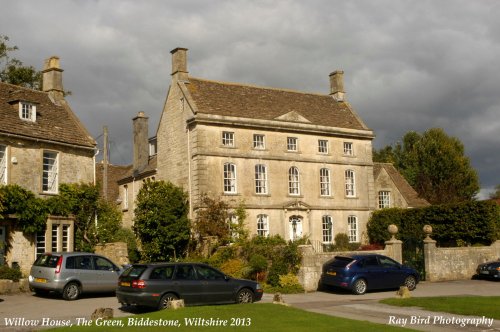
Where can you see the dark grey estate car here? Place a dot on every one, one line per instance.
(73, 273)
(155, 285)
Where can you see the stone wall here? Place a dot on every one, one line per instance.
(117, 252)
(456, 263)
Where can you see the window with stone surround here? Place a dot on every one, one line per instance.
(230, 178)
(27, 111)
(50, 177)
(3, 164)
(327, 226)
(260, 179)
(324, 182)
(323, 146)
(384, 199)
(58, 237)
(263, 225)
(293, 181)
(259, 142)
(350, 184)
(352, 228)
(228, 139)
(292, 144)
(348, 150)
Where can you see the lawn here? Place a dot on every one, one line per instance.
(247, 317)
(461, 305)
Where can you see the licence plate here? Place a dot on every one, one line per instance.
(331, 273)
(484, 272)
(125, 284)
(42, 280)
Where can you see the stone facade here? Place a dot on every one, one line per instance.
(42, 145)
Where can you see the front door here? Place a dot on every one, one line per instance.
(295, 225)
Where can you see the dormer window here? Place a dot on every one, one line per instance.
(27, 111)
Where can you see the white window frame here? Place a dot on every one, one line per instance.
(327, 228)
(3, 164)
(263, 225)
(348, 149)
(292, 144)
(50, 172)
(293, 181)
(259, 141)
(350, 183)
(27, 111)
(125, 197)
(352, 228)
(260, 179)
(230, 178)
(228, 139)
(384, 199)
(60, 238)
(325, 186)
(323, 146)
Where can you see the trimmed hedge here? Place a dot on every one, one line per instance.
(469, 223)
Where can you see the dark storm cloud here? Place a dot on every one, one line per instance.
(409, 65)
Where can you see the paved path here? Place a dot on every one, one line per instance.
(367, 308)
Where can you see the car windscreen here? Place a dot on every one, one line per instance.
(340, 261)
(134, 271)
(47, 261)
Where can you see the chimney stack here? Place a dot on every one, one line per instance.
(179, 64)
(141, 143)
(337, 85)
(52, 78)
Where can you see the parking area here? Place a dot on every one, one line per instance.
(337, 303)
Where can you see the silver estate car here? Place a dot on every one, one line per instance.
(73, 273)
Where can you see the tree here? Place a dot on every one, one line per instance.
(13, 71)
(161, 221)
(434, 164)
(495, 194)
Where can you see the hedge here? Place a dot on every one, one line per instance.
(469, 223)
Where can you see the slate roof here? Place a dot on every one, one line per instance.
(246, 101)
(54, 122)
(407, 191)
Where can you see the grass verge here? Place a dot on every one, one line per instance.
(461, 305)
(248, 317)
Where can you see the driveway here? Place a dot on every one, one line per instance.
(24, 308)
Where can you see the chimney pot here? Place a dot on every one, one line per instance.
(337, 85)
(141, 142)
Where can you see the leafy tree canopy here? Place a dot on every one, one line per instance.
(161, 221)
(13, 71)
(434, 164)
(496, 194)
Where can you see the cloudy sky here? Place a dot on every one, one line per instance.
(409, 65)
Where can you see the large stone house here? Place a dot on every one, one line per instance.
(42, 144)
(300, 162)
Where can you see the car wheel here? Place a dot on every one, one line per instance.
(166, 300)
(359, 287)
(410, 282)
(71, 291)
(244, 296)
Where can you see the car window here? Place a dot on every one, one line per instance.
(79, 262)
(134, 271)
(185, 272)
(162, 273)
(103, 264)
(387, 262)
(370, 261)
(208, 273)
(340, 261)
(47, 261)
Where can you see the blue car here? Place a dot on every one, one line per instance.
(363, 272)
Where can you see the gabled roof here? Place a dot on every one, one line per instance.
(115, 173)
(147, 171)
(407, 191)
(55, 122)
(245, 101)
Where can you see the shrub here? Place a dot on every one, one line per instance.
(233, 267)
(10, 273)
(258, 265)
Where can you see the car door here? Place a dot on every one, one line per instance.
(372, 271)
(187, 284)
(394, 275)
(105, 274)
(216, 287)
(81, 268)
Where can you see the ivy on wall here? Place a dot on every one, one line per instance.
(470, 223)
